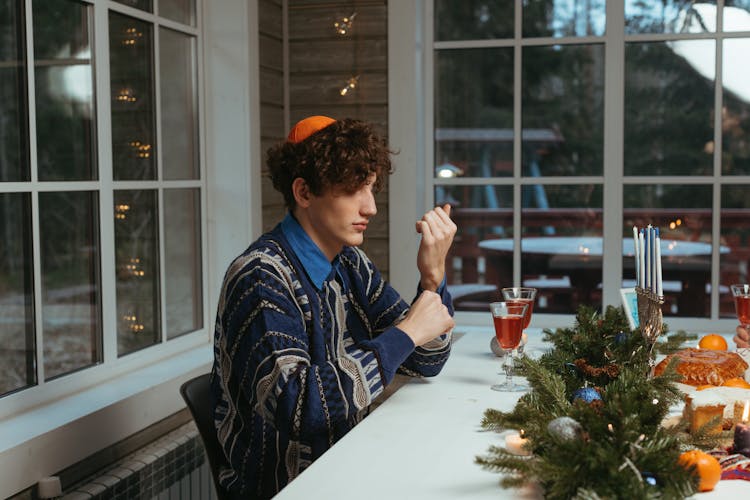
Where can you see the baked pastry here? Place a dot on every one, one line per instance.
(727, 403)
(705, 366)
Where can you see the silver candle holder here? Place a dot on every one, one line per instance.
(650, 319)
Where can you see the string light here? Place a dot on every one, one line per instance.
(126, 95)
(133, 269)
(132, 36)
(343, 25)
(141, 150)
(351, 84)
(121, 211)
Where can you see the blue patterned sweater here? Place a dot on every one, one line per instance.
(302, 347)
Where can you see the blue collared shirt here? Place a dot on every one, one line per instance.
(310, 255)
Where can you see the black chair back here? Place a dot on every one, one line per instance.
(196, 393)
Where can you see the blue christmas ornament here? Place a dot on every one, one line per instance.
(587, 395)
(649, 478)
(621, 337)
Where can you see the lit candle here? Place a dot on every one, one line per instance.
(742, 433)
(515, 443)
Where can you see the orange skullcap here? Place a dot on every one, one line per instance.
(307, 127)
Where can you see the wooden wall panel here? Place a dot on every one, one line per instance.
(317, 21)
(271, 53)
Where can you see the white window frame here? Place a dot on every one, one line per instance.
(49, 427)
(410, 53)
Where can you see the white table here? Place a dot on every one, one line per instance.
(421, 442)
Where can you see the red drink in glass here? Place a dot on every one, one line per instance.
(508, 330)
(742, 305)
(527, 314)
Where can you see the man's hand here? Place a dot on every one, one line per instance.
(742, 339)
(437, 230)
(427, 318)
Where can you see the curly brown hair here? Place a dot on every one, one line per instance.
(342, 155)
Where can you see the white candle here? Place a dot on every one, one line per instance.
(641, 259)
(636, 257)
(659, 289)
(649, 256)
(514, 443)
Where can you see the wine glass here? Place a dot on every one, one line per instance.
(508, 319)
(524, 295)
(741, 293)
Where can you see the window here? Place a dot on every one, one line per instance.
(554, 126)
(101, 185)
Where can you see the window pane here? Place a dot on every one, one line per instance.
(683, 215)
(146, 5)
(473, 19)
(563, 18)
(735, 235)
(17, 346)
(736, 112)
(482, 214)
(71, 297)
(178, 105)
(65, 129)
(670, 16)
(474, 111)
(14, 162)
(562, 245)
(563, 110)
(182, 261)
(736, 15)
(137, 263)
(132, 82)
(669, 106)
(182, 11)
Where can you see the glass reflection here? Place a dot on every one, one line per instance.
(137, 261)
(735, 115)
(669, 104)
(563, 110)
(473, 19)
(736, 15)
(182, 261)
(735, 235)
(182, 11)
(18, 352)
(561, 249)
(670, 16)
(71, 297)
(146, 5)
(14, 160)
(542, 18)
(65, 126)
(132, 88)
(482, 213)
(474, 111)
(683, 215)
(178, 105)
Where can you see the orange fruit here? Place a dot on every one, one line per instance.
(736, 382)
(704, 465)
(705, 386)
(714, 342)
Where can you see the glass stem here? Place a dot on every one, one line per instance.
(508, 365)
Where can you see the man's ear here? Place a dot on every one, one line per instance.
(301, 192)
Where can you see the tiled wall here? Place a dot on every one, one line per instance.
(173, 467)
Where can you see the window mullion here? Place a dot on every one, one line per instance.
(106, 194)
(517, 139)
(33, 161)
(160, 178)
(716, 188)
(614, 92)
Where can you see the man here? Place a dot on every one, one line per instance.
(307, 332)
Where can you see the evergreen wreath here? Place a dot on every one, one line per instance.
(607, 444)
